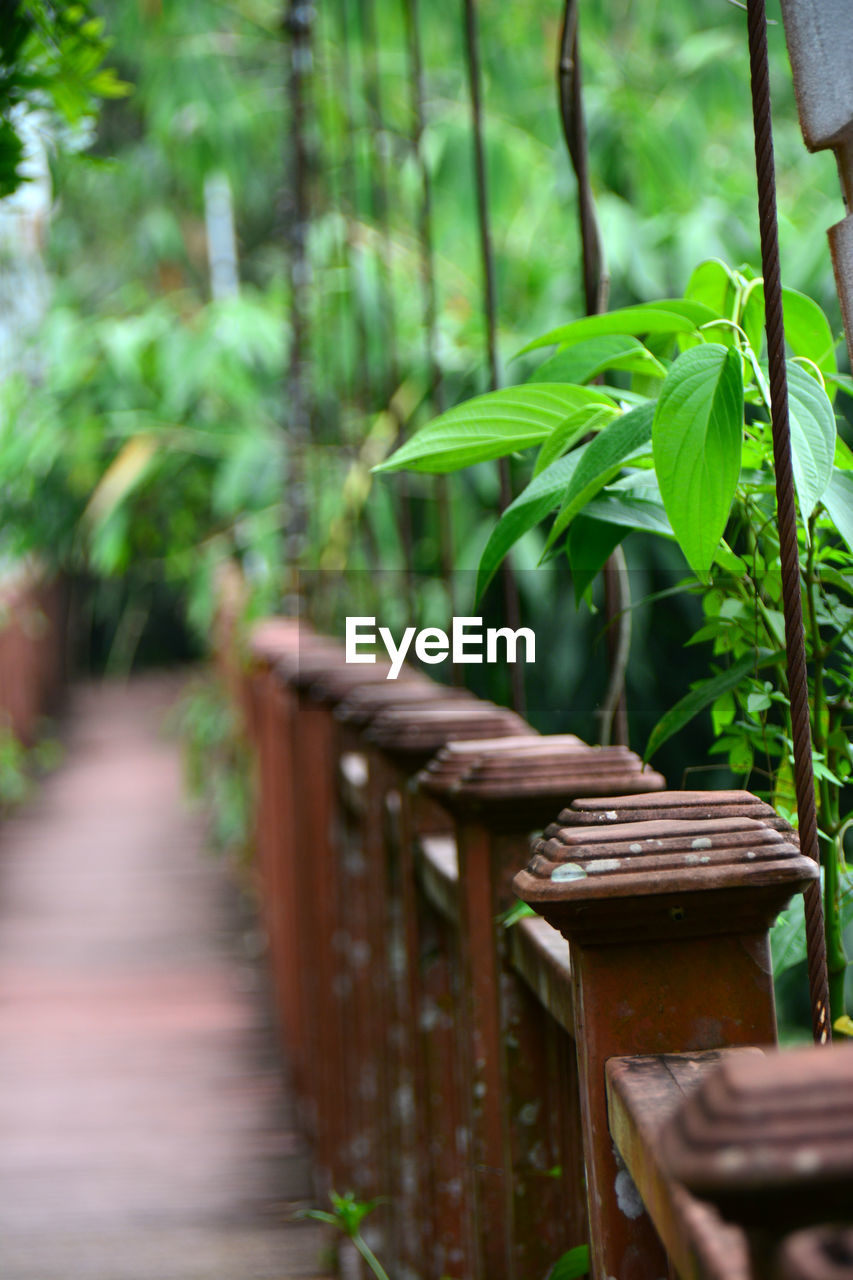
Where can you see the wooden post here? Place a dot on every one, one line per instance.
(769, 1141)
(668, 927)
(432, 1227)
(497, 792)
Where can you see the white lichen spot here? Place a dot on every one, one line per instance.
(605, 864)
(479, 1089)
(635, 848)
(702, 842)
(568, 871)
(611, 816)
(705, 860)
(528, 1113)
(807, 1161)
(691, 859)
(750, 853)
(627, 1196)
(731, 1158)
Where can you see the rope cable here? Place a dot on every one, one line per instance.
(380, 210)
(787, 514)
(428, 282)
(472, 61)
(298, 23)
(613, 712)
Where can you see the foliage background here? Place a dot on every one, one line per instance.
(148, 442)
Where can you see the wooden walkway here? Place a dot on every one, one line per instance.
(144, 1130)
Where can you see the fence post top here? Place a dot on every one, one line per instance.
(663, 878)
(518, 782)
(414, 735)
(769, 1139)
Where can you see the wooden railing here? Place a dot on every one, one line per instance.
(32, 651)
(505, 1095)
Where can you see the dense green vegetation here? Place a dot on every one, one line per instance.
(147, 441)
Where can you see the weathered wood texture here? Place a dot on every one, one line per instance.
(455, 1067)
(643, 1093)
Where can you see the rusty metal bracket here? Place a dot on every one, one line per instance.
(819, 35)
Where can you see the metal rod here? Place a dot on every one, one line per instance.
(428, 284)
(596, 283)
(786, 514)
(512, 611)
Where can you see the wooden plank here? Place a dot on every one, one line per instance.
(438, 871)
(642, 1094)
(541, 956)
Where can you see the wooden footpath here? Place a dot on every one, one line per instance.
(145, 1132)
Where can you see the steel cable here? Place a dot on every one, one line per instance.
(472, 60)
(786, 514)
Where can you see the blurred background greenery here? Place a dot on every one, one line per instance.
(144, 442)
(146, 420)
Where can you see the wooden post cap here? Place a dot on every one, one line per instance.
(605, 811)
(361, 705)
(825, 1253)
(323, 673)
(271, 638)
(415, 734)
(820, 47)
(769, 1140)
(519, 781)
(663, 879)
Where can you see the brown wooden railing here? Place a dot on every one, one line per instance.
(32, 651)
(506, 1095)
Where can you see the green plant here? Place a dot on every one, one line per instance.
(572, 1265)
(674, 440)
(51, 59)
(347, 1215)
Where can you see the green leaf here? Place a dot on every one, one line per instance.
(580, 423)
(807, 330)
(491, 426)
(741, 757)
(696, 439)
(838, 500)
(631, 512)
(586, 360)
(601, 460)
(788, 937)
(707, 692)
(590, 544)
(518, 911)
(542, 495)
(713, 283)
(812, 436)
(572, 1265)
(676, 315)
